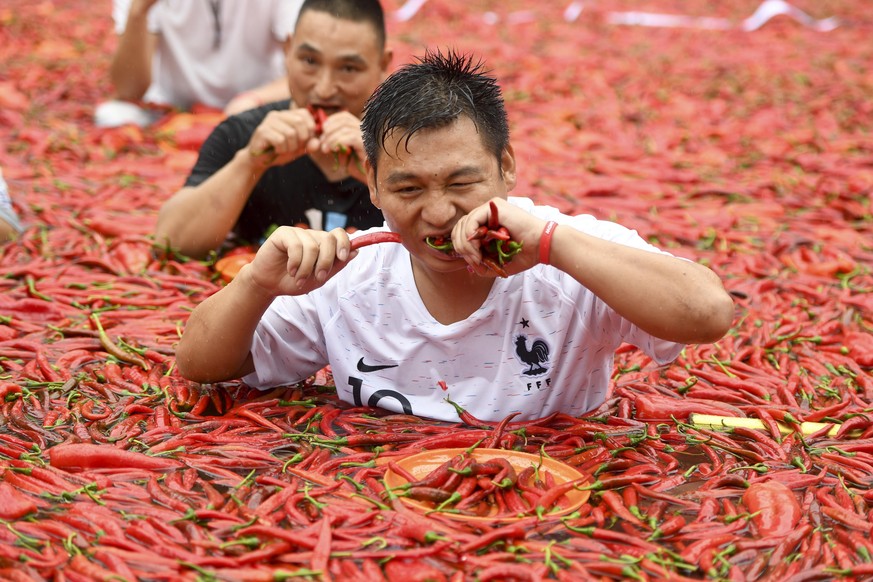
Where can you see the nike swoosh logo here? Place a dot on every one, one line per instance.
(362, 367)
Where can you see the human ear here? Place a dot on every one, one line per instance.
(507, 167)
(371, 183)
(387, 57)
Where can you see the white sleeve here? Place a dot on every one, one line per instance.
(288, 345)
(120, 8)
(662, 351)
(7, 212)
(285, 18)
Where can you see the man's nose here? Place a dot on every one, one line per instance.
(324, 85)
(439, 210)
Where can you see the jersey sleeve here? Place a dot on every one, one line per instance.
(217, 150)
(120, 10)
(288, 345)
(7, 212)
(662, 351)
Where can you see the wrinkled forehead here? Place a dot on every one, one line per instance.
(325, 29)
(406, 140)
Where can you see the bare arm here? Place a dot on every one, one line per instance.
(197, 219)
(274, 91)
(131, 68)
(218, 336)
(6, 231)
(670, 298)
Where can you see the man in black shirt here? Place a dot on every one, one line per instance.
(284, 163)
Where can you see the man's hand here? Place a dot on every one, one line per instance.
(339, 150)
(295, 261)
(522, 226)
(283, 136)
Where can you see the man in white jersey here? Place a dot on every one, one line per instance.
(405, 326)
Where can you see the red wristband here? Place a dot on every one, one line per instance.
(546, 241)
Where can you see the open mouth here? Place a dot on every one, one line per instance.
(328, 109)
(441, 243)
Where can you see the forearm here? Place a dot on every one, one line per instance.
(269, 93)
(197, 219)
(217, 340)
(669, 298)
(131, 68)
(6, 231)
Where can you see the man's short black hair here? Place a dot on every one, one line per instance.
(369, 11)
(431, 94)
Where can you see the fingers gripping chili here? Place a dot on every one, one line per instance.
(498, 248)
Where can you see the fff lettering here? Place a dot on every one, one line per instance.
(539, 384)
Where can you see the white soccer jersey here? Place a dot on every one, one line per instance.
(540, 342)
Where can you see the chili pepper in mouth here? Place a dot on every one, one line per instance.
(319, 115)
(440, 243)
(498, 248)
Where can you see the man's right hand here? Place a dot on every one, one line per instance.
(281, 137)
(295, 261)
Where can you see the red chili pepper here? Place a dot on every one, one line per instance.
(774, 508)
(655, 407)
(848, 519)
(14, 504)
(515, 531)
(439, 476)
(430, 494)
(321, 551)
(550, 498)
(615, 504)
(412, 570)
(493, 220)
(320, 116)
(374, 238)
(90, 456)
(421, 532)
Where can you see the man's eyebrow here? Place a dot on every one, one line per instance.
(353, 58)
(462, 172)
(306, 47)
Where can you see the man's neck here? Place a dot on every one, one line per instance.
(450, 297)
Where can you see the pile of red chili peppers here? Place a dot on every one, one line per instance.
(466, 487)
(113, 467)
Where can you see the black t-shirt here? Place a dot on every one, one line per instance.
(284, 193)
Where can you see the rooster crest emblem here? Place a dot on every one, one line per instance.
(534, 357)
